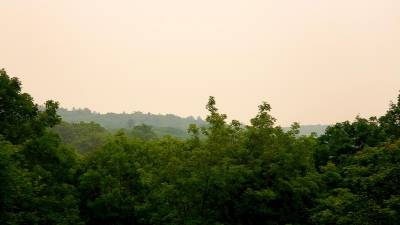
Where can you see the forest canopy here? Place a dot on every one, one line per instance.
(225, 172)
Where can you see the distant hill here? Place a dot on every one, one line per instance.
(167, 124)
(114, 121)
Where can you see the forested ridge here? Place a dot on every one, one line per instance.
(53, 172)
(114, 121)
(161, 125)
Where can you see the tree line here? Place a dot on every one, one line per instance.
(225, 173)
(115, 121)
(161, 125)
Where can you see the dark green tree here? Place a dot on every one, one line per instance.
(391, 120)
(20, 118)
(143, 131)
(85, 137)
(36, 171)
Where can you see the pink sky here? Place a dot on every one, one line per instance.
(315, 61)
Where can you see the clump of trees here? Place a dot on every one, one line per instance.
(84, 137)
(224, 173)
(37, 173)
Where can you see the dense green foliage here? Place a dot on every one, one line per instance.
(20, 118)
(37, 172)
(224, 173)
(86, 137)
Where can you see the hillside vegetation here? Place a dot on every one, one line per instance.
(224, 173)
(115, 121)
(161, 125)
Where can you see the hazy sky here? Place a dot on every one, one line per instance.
(314, 61)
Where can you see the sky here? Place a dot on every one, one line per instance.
(314, 61)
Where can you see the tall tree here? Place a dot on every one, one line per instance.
(391, 120)
(20, 118)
